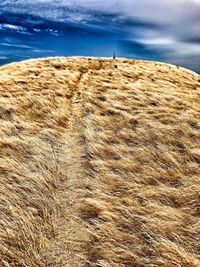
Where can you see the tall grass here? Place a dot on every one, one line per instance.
(99, 164)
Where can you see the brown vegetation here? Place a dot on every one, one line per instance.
(99, 164)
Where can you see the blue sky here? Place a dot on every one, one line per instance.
(164, 30)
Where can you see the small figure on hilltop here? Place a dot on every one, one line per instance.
(114, 55)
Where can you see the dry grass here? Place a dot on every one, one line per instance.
(99, 164)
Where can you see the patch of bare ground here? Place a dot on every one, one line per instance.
(99, 164)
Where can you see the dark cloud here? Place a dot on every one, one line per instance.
(135, 49)
(193, 39)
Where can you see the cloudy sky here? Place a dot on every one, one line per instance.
(164, 30)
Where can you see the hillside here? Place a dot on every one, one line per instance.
(99, 164)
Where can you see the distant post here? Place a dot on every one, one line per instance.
(114, 55)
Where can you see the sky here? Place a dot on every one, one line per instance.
(160, 30)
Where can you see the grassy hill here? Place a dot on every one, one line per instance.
(99, 164)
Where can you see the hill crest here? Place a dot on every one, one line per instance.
(99, 163)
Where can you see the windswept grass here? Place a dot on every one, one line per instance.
(99, 164)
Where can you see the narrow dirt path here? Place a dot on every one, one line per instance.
(73, 235)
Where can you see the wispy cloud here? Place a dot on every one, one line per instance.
(16, 45)
(11, 27)
(3, 57)
(42, 51)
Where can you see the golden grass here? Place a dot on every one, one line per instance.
(99, 164)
